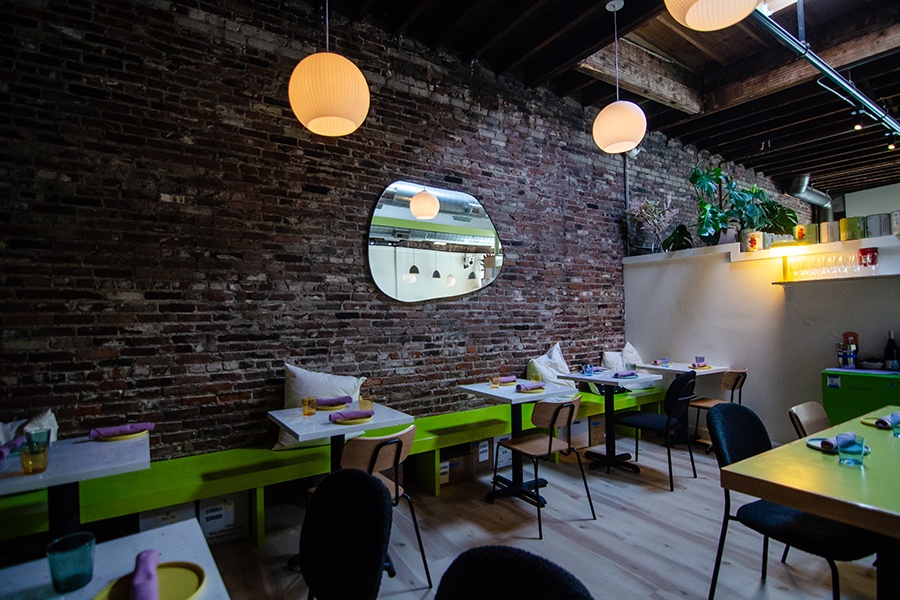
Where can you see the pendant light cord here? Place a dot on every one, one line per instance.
(616, 37)
(327, 48)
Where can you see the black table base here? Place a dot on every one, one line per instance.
(526, 491)
(601, 461)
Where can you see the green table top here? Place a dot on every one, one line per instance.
(798, 476)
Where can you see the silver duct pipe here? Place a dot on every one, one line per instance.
(802, 49)
(798, 187)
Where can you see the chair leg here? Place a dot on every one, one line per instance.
(669, 456)
(835, 580)
(637, 438)
(538, 499)
(693, 464)
(715, 576)
(494, 478)
(389, 566)
(784, 554)
(412, 512)
(765, 557)
(586, 488)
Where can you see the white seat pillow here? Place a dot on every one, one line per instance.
(612, 361)
(299, 382)
(551, 365)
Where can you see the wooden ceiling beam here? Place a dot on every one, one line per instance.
(413, 14)
(506, 30)
(693, 38)
(646, 74)
(766, 81)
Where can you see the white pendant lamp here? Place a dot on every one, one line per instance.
(450, 280)
(328, 93)
(424, 205)
(620, 126)
(710, 15)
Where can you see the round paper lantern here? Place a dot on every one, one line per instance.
(424, 205)
(619, 127)
(710, 15)
(450, 280)
(409, 277)
(329, 94)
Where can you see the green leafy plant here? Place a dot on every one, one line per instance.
(781, 219)
(680, 239)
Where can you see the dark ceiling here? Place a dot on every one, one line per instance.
(736, 92)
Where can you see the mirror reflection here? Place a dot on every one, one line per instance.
(427, 243)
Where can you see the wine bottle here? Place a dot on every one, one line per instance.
(891, 353)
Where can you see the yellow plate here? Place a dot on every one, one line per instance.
(124, 436)
(537, 391)
(508, 383)
(335, 407)
(353, 421)
(698, 368)
(177, 581)
(870, 421)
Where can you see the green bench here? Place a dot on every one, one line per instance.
(178, 480)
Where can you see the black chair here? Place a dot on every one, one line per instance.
(673, 423)
(538, 446)
(737, 433)
(344, 537)
(505, 573)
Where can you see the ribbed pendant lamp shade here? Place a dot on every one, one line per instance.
(619, 127)
(329, 94)
(424, 205)
(710, 15)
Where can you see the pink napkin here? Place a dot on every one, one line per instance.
(349, 415)
(105, 432)
(697, 365)
(530, 385)
(887, 421)
(841, 439)
(333, 401)
(622, 374)
(144, 583)
(508, 379)
(13, 445)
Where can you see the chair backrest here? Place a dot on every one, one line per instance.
(505, 573)
(376, 454)
(736, 433)
(679, 394)
(733, 381)
(549, 414)
(348, 519)
(808, 418)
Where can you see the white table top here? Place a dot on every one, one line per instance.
(317, 426)
(182, 541)
(508, 393)
(606, 377)
(683, 367)
(77, 459)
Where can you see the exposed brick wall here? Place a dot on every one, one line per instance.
(171, 234)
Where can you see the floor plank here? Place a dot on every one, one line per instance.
(646, 543)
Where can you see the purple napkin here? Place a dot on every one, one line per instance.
(13, 445)
(333, 401)
(698, 365)
(885, 422)
(144, 583)
(530, 385)
(842, 439)
(105, 432)
(508, 379)
(622, 374)
(349, 415)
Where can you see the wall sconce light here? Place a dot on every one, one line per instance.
(424, 205)
(328, 93)
(709, 15)
(620, 126)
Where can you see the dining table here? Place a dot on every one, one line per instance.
(610, 383)
(318, 426)
(178, 542)
(69, 462)
(508, 394)
(683, 367)
(803, 477)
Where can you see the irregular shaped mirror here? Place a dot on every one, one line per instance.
(427, 243)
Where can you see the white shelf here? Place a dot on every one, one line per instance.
(882, 242)
(835, 279)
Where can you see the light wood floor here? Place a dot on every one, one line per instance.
(648, 543)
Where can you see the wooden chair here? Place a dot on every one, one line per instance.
(378, 454)
(808, 418)
(551, 416)
(731, 382)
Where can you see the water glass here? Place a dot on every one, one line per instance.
(851, 453)
(71, 559)
(895, 422)
(536, 377)
(495, 382)
(588, 369)
(366, 402)
(309, 405)
(665, 361)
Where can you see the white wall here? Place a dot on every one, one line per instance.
(714, 302)
(884, 199)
